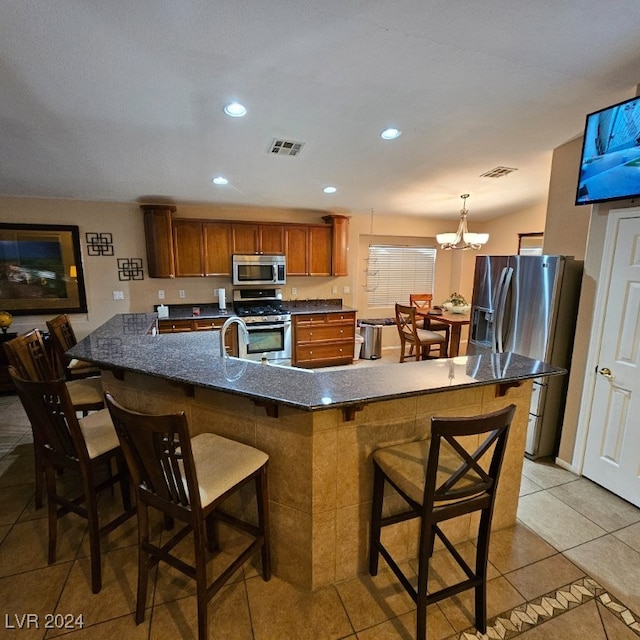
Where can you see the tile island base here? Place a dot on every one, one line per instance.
(320, 472)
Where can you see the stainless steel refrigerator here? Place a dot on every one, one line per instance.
(528, 305)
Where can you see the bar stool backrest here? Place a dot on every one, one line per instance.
(28, 355)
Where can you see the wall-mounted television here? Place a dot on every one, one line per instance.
(610, 163)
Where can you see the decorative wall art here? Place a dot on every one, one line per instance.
(130, 269)
(99, 244)
(41, 269)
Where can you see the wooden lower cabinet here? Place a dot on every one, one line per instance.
(323, 339)
(202, 324)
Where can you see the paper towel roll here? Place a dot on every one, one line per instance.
(222, 302)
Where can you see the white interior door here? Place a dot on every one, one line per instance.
(612, 455)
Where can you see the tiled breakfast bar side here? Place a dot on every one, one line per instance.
(320, 472)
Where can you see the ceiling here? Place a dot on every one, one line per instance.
(123, 100)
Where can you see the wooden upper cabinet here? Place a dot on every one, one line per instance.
(297, 249)
(257, 238)
(244, 238)
(217, 248)
(271, 238)
(188, 247)
(308, 250)
(339, 244)
(159, 240)
(320, 240)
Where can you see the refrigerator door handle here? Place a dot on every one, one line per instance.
(501, 307)
(495, 310)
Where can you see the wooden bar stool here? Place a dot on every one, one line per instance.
(441, 478)
(187, 479)
(63, 338)
(82, 445)
(28, 355)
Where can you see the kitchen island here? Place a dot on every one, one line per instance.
(318, 427)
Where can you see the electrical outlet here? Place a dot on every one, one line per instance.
(346, 289)
(181, 293)
(118, 295)
(160, 294)
(294, 291)
(334, 289)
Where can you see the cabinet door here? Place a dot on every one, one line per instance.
(217, 248)
(187, 246)
(244, 238)
(271, 238)
(297, 250)
(320, 250)
(340, 249)
(159, 240)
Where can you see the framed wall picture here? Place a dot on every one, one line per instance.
(41, 269)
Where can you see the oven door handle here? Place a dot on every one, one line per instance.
(265, 325)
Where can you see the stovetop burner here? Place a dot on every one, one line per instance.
(260, 305)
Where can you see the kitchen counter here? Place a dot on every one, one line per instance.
(124, 342)
(318, 428)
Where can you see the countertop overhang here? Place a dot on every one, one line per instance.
(126, 343)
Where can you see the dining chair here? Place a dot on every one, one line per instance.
(63, 338)
(188, 479)
(28, 355)
(422, 302)
(420, 340)
(440, 478)
(82, 445)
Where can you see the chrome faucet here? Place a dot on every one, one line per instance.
(243, 331)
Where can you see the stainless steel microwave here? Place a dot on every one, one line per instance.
(258, 269)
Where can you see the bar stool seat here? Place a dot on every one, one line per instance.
(443, 477)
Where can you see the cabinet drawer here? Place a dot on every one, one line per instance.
(339, 318)
(314, 352)
(207, 324)
(324, 332)
(310, 319)
(174, 326)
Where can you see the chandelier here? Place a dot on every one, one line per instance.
(462, 239)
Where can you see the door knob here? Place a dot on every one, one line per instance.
(606, 372)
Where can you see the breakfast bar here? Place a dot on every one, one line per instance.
(318, 428)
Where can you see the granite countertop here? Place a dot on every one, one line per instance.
(125, 342)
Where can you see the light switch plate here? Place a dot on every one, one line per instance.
(346, 289)
(294, 291)
(118, 295)
(334, 289)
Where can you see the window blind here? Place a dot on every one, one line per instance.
(393, 272)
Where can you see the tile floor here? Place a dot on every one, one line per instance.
(570, 568)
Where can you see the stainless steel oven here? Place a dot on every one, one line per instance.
(258, 269)
(268, 324)
(272, 340)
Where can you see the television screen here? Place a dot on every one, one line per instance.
(610, 164)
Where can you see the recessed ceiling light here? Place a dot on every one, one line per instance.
(220, 180)
(235, 110)
(329, 189)
(390, 134)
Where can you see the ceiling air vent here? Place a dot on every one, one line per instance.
(498, 172)
(285, 147)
